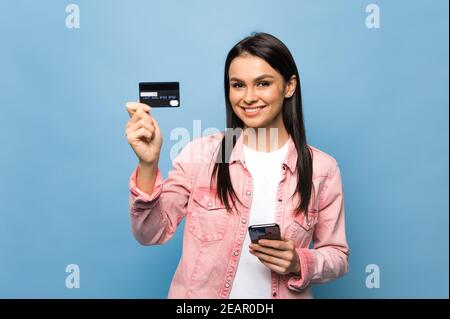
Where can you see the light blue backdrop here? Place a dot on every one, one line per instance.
(375, 99)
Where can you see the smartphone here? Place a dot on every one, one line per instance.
(264, 231)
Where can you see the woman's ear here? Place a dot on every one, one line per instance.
(290, 87)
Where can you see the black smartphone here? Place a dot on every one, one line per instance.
(264, 231)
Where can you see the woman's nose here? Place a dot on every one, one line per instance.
(250, 97)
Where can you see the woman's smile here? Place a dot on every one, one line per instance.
(252, 111)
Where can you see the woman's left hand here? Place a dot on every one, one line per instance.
(277, 255)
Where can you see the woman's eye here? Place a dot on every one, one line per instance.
(240, 85)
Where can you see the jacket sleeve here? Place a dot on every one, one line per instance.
(329, 257)
(156, 216)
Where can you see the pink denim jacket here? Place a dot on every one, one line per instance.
(213, 238)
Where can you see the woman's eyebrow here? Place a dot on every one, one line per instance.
(256, 79)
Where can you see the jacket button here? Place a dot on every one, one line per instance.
(227, 285)
(209, 204)
(236, 252)
(248, 192)
(274, 294)
(243, 221)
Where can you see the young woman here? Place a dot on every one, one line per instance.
(259, 170)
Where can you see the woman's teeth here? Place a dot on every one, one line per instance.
(253, 110)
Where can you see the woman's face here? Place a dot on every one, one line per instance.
(257, 92)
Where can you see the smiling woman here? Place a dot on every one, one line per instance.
(262, 91)
(292, 184)
(265, 89)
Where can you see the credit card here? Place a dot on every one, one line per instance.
(160, 94)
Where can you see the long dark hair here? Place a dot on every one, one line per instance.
(275, 53)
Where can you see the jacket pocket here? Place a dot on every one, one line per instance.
(301, 227)
(209, 218)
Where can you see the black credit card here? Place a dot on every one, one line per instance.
(160, 94)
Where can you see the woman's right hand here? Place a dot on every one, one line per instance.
(143, 133)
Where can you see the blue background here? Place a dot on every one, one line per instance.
(375, 99)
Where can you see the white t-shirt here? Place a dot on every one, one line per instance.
(252, 278)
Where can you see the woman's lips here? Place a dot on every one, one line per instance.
(252, 111)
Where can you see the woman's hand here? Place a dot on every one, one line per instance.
(277, 255)
(143, 133)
